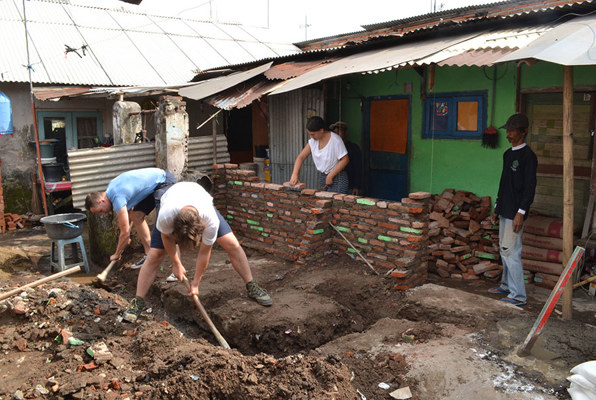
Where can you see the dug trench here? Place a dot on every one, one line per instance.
(335, 331)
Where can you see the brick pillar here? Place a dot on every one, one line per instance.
(171, 138)
(126, 126)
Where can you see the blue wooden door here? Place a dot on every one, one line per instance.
(386, 133)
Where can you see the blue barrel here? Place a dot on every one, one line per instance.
(5, 115)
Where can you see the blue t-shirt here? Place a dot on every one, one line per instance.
(129, 188)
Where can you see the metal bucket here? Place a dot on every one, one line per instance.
(64, 226)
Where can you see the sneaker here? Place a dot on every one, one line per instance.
(172, 278)
(134, 310)
(258, 294)
(139, 263)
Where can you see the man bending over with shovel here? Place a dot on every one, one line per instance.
(132, 195)
(187, 217)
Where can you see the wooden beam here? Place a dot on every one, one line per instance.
(567, 183)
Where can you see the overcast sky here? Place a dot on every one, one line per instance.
(287, 18)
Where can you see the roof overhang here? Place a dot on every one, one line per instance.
(570, 43)
(373, 60)
(198, 91)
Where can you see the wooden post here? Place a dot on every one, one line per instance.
(567, 182)
(214, 133)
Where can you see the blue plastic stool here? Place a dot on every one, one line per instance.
(60, 263)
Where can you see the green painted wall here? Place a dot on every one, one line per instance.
(437, 164)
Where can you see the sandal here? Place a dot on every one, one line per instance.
(514, 302)
(498, 290)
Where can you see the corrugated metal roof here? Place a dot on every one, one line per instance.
(406, 26)
(209, 87)
(294, 68)
(485, 48)
(241, 96)
(374, 60)
(571, 43)
(123, 48)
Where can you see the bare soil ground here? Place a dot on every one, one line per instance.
(335, 331)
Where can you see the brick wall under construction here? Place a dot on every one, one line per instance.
(307, 225)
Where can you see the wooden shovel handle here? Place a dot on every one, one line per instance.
(40, 281)
(218, 336)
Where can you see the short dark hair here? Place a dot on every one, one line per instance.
(315, 123)
(188, 228)
(92, 200)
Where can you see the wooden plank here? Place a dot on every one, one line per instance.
(551, 302)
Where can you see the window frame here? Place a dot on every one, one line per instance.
(452, 99)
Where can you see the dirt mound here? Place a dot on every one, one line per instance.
(68, 342)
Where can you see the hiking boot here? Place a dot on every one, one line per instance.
(258, 294)
(139, 263)
(134, 310)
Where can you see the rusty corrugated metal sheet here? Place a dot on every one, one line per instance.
(294, 68)
(242, 95)
(288, 113)
(402, 27)
(42, 93)
(92, 169)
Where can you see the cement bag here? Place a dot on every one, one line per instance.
(587, 370)
(542, 266)
(543, 242)
(536, 253)
(545, 226)
(579, 393)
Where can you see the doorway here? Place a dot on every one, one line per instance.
(386, 137)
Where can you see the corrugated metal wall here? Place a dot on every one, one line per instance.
(288, 113)
(92, 169)
(200, 152)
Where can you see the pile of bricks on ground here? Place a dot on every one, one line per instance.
(300, 224)
(14, 221)
(462, 242)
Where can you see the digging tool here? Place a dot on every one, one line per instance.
(582, 283)
(355, 249)
(214, 330)
(40, 281)
(551, 302)
(100, 279)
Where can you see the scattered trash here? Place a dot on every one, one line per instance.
(42, 390)
(401, 393)
(74, 341)
(362, 396)
(100, 352)
(287, 332)
(194, 377)
(383, 385)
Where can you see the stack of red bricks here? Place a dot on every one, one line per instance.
(463, 243)
(13, 221)
(300, 224)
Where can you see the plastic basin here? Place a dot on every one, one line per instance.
(64, 226)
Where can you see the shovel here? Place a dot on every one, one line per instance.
(101, 278)
(218, 336)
